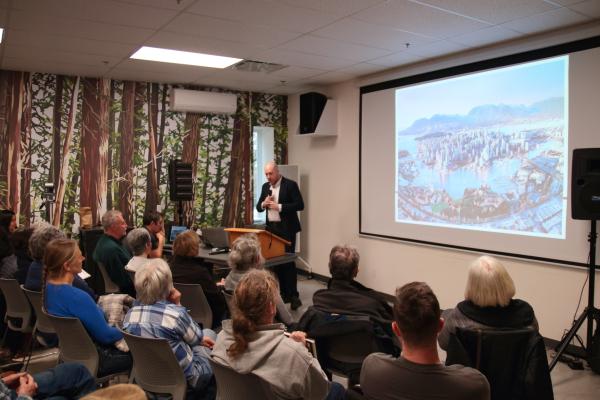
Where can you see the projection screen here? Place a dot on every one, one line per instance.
(477, 157)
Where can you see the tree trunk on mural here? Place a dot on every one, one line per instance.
(94, 145)
(64, 165)
(109, 153)
(223, 150)
(56, 127)
(71, 203)
(206, 172)
(26, 147)
(152, 193)
(4, 85)
(246, 140)
(126, 154)
(15, 108)
(190, 155)
(233, 190)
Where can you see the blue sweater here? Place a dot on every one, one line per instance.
(34, 280)
(68, 301)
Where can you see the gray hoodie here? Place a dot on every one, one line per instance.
(286, 364)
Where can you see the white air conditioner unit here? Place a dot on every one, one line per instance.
(202, 102)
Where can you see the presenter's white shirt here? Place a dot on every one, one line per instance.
(273, 214)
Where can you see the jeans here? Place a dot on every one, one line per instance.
(68, 380)
(112, 360)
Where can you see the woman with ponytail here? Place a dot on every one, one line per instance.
(62, 262)
(251, 343)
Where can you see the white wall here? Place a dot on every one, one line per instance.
(329, 172)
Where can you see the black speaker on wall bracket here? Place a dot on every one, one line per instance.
(585, 184)
(311, 108)
(181, 181)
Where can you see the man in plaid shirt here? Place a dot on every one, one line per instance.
(157, 313)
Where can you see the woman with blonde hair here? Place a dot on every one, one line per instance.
(62, 262)
(187, 267)
(488, 303)
(251, 343)
(244, 256)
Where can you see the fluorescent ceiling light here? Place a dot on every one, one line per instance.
(1, 34)
(183, 57)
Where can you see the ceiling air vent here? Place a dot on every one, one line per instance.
(257, 66)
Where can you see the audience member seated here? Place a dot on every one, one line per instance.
(44, 233)
(187, 267)
(244, 256)
(68, 380)
(417, 373)
(20, 242)
(155, 225)
(111, 253)
(252, 343)
(344, 295)
(8, 262)
(158, 313)
(62, 262)
(488, 303)
(138, 242)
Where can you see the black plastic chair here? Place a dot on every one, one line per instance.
(513, 361)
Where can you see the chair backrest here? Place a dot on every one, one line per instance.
(155, 367)
(74, 342)
(193, 298)
(232, 385)
(109, 285)
(514, 361)
(42, 323)
(17, 305)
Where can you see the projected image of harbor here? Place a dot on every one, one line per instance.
(486, 151)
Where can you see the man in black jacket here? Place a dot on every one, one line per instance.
(282, 200)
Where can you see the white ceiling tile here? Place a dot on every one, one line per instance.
(165, 68)
(224, 82)
(436, 49)
(55, 56)
(492, 11)
(332, 48)
(338, 8)
(178, 41)
(289, 89)
(264, 13)
(485, 36)
(546, 21)
(294, 72)
(363, 69)
(418, 18)
(33, 64)
(45, 24)
(397, 59)
(591, 8)
(168, 4)
(150, 76)
(235, 75)
(328, 78)
(288, 57)
(198, 25)
(69, 44)
(360, 32)
(106, 11)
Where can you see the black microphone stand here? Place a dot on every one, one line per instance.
(590, 313)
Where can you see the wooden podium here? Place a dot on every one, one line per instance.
(271, 245)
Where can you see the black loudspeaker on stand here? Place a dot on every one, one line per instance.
(585, 204)
(181, 184)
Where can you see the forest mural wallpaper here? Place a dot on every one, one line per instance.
(106, 144)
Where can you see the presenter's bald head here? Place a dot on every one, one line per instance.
(272, 172)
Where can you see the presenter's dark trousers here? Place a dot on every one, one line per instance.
(286, 273)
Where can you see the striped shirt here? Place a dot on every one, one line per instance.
(165, 320)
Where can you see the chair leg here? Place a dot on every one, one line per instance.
(30, 353)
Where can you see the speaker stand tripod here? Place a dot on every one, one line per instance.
(590, 313)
